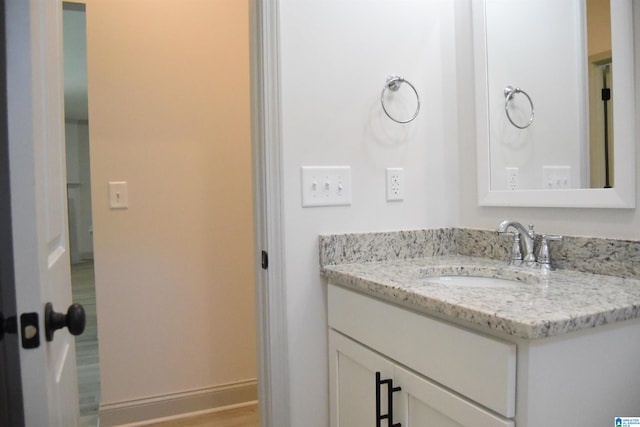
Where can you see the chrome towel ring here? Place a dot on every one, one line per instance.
(509, 92)
(393, 84)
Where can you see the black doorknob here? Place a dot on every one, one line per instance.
(74, 320)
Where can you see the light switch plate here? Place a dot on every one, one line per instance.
(556, 177)
(118, 197)
(326, 186)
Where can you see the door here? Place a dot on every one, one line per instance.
(38, 194)
(417, 402)
(353, 384)
(425, 404)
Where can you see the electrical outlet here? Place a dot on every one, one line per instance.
(326, 185)
(395, 184)
(512, 178)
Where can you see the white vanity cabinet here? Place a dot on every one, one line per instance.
(358, 374)
(449, 375)
(436, 366)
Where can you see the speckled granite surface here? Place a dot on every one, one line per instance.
(542, 305)
(373, 247)
(611, 257)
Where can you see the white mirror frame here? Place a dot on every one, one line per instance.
(623, 194)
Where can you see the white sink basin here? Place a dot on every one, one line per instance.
(473, 281)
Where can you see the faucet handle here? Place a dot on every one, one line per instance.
(544, 256)
(516, 249)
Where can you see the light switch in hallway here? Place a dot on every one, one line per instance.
(118, 197)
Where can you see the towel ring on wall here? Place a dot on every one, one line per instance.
(393, 84)
(509, 92)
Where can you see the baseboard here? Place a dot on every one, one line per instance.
(136, 412)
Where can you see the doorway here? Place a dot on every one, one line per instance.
(79, 207)
(274, 386)
(174, 272)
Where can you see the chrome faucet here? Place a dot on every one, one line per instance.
(524, 235)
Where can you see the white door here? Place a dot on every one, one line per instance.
(353, 384)
(38, 194)
(417, 402)
(426, 404)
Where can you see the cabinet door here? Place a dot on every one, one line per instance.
(352, 383)
(425, 404)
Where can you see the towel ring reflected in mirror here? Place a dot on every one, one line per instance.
(509, 93)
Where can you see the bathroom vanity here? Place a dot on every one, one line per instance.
(529, 349)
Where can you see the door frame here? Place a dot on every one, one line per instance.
(273, 389)
(11, 404)
(273, 382)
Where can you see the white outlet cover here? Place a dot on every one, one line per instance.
(395, 184)
(326, 186)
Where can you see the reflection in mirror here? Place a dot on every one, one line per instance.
(600, 92)
(545, 74)
(539, 47)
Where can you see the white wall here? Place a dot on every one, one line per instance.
(77, 135)
(335, 58)
(79, 190)
(169, 113)
(539, 46)
(614, 223)
(75, 63)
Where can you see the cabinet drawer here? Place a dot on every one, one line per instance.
(479, 367)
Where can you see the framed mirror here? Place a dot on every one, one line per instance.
(555, 103)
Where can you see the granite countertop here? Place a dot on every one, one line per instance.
(545, 304)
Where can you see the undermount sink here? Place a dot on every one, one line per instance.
(473, 281)
(477, 277)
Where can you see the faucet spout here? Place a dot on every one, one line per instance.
(526, 236)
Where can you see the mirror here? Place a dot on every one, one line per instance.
(545, 134)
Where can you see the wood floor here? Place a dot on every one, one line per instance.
(241, 417)
(87, 361)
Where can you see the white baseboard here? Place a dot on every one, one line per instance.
(142, 411)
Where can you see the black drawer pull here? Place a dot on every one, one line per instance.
(390, 390)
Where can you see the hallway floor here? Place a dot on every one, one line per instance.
(84, 292)
(240, 417)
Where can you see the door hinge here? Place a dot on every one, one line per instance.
(265, 260)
